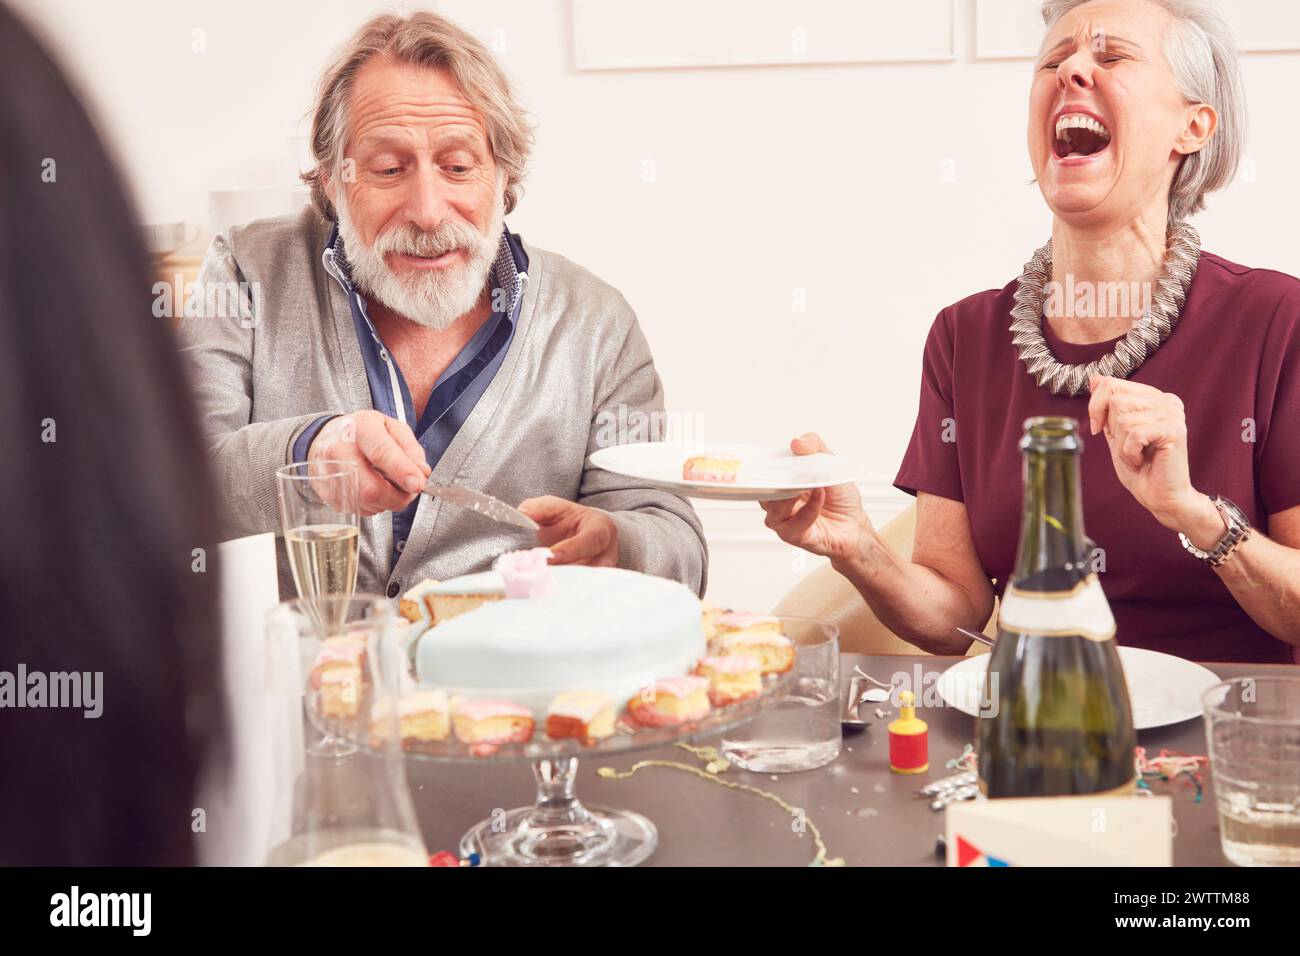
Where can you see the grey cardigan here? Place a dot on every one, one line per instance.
(263, 376)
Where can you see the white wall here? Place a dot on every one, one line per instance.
(883, 192)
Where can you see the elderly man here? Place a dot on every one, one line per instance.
(397, 323)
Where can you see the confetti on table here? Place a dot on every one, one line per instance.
(715, 765)
(964, 761)
(1170, 765)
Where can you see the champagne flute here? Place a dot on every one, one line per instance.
(322, 531)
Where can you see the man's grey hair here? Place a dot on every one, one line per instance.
(426, 40)
(1201, 50)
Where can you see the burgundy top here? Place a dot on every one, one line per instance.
(1234, 355)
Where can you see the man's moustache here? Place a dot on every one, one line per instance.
(418, 249)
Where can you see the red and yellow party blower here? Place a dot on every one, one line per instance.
(909, 738)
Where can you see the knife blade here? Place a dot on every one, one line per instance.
(482, 503)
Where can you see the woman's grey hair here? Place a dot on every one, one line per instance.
(425, 40)
(1201, 50)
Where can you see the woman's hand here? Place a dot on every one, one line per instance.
(1147, 433)
(827, 521)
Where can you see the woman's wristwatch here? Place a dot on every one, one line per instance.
(1238, 531)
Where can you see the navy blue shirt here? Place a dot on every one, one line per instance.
(457, 389)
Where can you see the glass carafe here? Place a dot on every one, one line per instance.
(350, 805)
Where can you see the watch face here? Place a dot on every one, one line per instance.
(1238, 516)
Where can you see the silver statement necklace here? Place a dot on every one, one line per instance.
(1182, 254)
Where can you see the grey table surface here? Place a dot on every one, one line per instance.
(866, 814)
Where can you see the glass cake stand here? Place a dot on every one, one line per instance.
(559, 829)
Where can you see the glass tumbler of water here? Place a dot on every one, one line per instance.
(1252, 726)
(800, 729)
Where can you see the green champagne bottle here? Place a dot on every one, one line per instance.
(1059, 720)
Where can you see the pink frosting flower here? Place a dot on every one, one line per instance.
(527, 574)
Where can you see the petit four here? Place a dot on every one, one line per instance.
(421, 716)
(758, 635)
(720, 469)
(671, 701)
(774, 651)
(581, 714)
(486, 724)
(709, 618)
(337, 653)
(731, 679)
(340, 692)
(749, 621)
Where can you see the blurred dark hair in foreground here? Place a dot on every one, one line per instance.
(100, 524)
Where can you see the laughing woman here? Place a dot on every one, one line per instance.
(1135, 113)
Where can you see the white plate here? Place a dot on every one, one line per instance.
(1163, 689)
(767, 472)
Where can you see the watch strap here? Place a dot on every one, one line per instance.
(1238, 531)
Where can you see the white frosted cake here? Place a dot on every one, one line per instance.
(599, 629)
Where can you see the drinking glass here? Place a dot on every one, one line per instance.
(800, 730)
(351, 806)
(1252, 727)
(334, 667)
(322, 527)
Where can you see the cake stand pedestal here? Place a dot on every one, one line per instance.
(558, 830)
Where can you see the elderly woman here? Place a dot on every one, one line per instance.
(1135, 113)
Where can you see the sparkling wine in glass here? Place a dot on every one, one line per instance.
(322, 529)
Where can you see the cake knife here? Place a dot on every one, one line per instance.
(484, 504)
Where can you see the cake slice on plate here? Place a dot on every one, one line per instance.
(718, 469)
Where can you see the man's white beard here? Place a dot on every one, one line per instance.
(434, 298)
